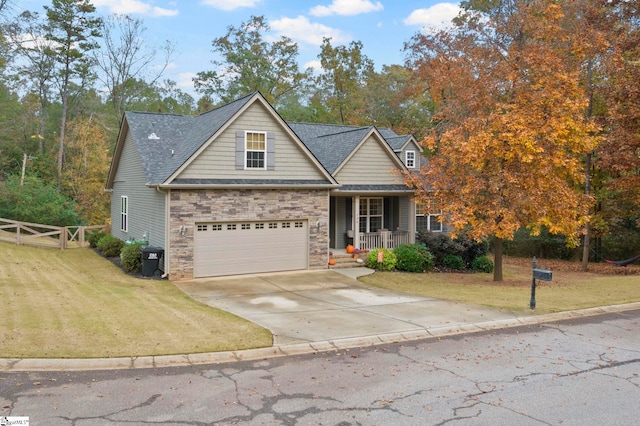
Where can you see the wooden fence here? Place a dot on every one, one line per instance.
(37, 234)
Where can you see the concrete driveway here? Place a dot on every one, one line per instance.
(318, 306)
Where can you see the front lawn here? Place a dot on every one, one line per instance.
(570, 289)
(75, 304)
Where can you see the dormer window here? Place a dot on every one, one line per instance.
(410, 159)
(255, 150)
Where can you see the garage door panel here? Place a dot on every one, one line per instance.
(245, 248)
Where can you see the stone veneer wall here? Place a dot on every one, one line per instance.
(189, 207)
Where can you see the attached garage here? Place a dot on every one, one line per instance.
(234, 248)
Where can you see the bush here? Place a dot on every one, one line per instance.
(131, 258)
(93, 238)
(545, 245)
(110, 246)
(441, 245)
(389, 260)
(453, 261)
(413, 258)
(483, 264)
(36, 201)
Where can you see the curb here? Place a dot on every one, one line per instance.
(123, 363)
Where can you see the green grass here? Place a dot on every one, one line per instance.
(569, 289)
(76, 304)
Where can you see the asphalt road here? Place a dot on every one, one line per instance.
(577, 372)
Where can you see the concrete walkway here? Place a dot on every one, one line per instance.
(315, 311)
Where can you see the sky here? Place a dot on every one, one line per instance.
(383, 26)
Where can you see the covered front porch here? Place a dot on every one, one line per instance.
(370, 221)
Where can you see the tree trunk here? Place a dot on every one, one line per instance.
(587, 231)
(497, 258)
(62, 128)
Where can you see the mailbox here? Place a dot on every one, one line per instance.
(542, 274)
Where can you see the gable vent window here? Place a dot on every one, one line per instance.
(256, 150)
(410, 159)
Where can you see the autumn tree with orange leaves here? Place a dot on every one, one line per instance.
(619, 154)
(510, 132)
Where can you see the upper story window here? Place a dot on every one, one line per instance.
(410, 159)
(255, 150)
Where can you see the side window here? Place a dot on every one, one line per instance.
(427, 216)
(410, 159)
(124, 213)
(255, 150)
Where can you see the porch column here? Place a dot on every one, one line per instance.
(412, 220)
(356, 221)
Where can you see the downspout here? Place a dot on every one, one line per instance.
(167, 232)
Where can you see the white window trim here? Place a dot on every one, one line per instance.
(421, 212)
(246, 166)
(124, 213)
(368, 215)
(412, 159)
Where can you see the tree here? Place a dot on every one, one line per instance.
(124, 58)
(391, 98)
(35, 201)
(250, 63)
(37, 65)
(619, 155)
(86, 169)
(510, 132)
(72, 30)
(344, 73)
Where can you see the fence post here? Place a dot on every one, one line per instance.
(63, 238)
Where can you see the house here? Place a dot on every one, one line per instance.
(238, 190)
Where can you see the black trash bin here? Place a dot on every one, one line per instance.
(150, 260)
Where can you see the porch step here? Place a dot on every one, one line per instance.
(346, 261)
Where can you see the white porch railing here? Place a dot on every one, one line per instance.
(383, 239)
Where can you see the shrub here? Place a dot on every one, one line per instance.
(413, 258)
(482, 263)
(441, 245)
(110, 246)
(453, 261)
(93, 238)
(389, 260)
(36, 201)
(130, 257)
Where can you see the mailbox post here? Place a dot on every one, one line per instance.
(540, 274)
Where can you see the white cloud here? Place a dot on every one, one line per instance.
(134, 7)
(185, 81)
(436, 16)
(315, 65)
(347, 8)
(301, 29)
(230, 4)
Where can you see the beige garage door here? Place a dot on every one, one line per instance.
(250, 247)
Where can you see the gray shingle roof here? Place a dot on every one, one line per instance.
(166, 141)
(331, 144)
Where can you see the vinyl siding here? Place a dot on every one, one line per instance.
(370, 164)
(146, 205)
(218, 160)
(411, 147)
(404, 213)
